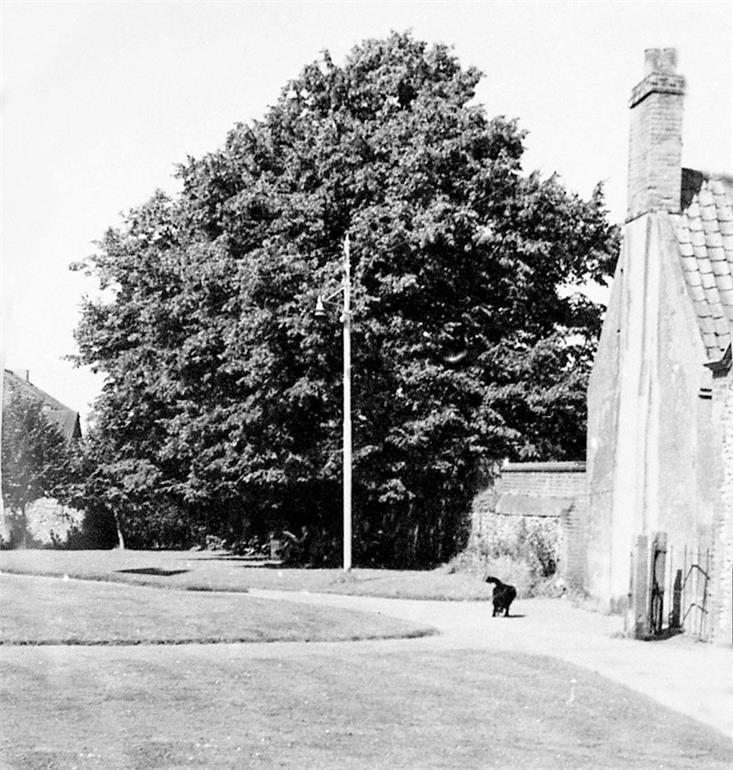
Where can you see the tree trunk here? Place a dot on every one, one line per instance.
(120, 537)
(24, 526)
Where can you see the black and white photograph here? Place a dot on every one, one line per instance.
(367, 395)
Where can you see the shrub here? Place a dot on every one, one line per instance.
(523, 551)
(215, 543)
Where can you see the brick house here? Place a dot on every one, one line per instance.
(62, 416)
(660, 400)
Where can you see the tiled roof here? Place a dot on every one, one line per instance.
(705, 236)
(66, 419)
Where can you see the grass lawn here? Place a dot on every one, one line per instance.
(45, 611)
(206, 570)
(370, 704)
(338, 706)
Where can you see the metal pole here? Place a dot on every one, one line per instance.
(347, 407)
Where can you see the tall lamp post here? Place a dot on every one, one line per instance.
(320, 312)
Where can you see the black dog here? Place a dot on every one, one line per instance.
(504, 595)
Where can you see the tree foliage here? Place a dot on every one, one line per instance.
(37, 461)
(223, 392)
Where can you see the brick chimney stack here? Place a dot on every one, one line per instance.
(655, 142)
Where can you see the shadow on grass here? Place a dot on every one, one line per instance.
(153, 571)
(225, 557)
(205, 640)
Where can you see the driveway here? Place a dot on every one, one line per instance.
(690, 677)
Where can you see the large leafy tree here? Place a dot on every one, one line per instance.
(222, 395)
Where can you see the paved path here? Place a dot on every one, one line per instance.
(692, 678)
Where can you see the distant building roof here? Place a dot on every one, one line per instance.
(66, 419)
(705, 236)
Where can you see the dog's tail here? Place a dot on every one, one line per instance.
(493, 580)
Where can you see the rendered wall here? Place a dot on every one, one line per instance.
(687, 458)
(650, 465)
(603, 416)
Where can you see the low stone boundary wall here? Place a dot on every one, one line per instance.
(539, 494)
(48, 522)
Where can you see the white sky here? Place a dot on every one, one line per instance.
(101, 100)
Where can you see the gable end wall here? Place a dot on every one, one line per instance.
(645, 413)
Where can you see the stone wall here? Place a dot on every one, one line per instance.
(540, 495)
(48, 522)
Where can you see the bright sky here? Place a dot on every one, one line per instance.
(101, 100)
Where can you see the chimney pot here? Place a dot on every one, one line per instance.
(651, 60)
(660, 60)
(669, 60)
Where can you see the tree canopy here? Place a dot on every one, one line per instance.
(222, 399)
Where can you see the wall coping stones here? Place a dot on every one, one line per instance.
(566, 466)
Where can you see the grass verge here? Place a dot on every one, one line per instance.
(215, 571)
(229, 707)
(39, 611)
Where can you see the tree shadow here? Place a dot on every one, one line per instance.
(249, 559)
(153, 571)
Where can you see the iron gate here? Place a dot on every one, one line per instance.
(688, 583)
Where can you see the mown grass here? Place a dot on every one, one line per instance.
(371, 705)
(47, 611)
(336, 707)
(215, 571)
